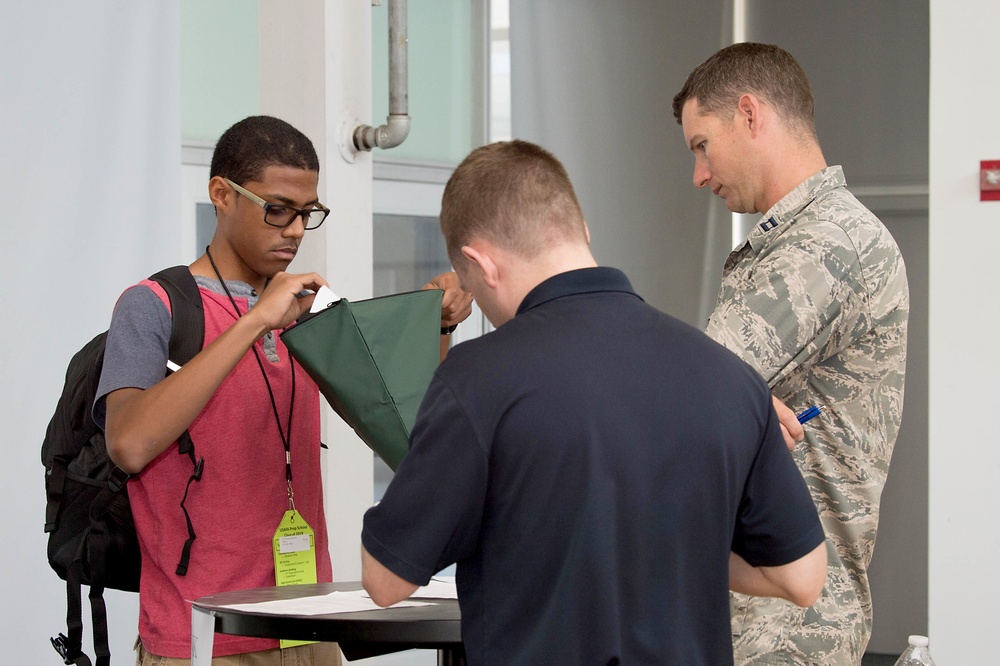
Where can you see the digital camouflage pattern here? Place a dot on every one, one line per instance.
(816, 300)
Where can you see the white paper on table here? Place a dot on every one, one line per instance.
(440, 587)
(335, 602)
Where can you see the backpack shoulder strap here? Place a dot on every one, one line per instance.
(187, 335)
(187, 331)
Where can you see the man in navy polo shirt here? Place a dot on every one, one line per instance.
(602, 473)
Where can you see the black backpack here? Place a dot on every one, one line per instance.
(92, 539)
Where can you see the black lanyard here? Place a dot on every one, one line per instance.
(286, 434)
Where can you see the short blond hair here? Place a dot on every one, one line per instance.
(515, 194)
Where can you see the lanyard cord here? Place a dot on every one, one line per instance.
(286, 435)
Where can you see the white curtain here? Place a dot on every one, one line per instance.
(90, 201)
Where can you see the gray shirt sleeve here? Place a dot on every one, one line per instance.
(135, 354)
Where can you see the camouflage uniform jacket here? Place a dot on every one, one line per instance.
(816, 300)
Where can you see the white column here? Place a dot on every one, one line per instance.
(964, 362)
(315, 72)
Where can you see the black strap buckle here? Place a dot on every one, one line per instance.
(117, 479)
(60, 645)
(78, 658)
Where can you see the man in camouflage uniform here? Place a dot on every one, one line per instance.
(816, 301)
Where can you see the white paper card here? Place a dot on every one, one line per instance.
(324, 299)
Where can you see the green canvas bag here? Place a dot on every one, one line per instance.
(373, 361)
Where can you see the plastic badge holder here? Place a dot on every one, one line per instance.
(373, 361)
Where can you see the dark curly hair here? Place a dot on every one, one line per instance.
(255, 143)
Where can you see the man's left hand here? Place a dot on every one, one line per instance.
(456, 304)
(790, 426)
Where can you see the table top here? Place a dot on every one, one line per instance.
(437, 625)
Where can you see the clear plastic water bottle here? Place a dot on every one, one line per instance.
(916, 654)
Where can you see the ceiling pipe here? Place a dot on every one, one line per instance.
(397, 126)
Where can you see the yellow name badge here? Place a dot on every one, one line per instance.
(294, 556)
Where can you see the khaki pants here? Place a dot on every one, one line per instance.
(314, 654)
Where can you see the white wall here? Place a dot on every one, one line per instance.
(90, 182)
(964, 316)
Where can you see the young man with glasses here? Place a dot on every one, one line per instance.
(251, 412)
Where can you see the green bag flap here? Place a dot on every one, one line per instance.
(373, 361)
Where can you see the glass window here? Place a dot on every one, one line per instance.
(210, 103)
(409, 251)
(440, 55)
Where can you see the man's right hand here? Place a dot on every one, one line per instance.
(282, 301)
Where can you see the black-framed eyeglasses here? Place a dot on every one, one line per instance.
(280, 215)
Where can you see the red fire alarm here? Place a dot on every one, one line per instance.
(989, 180)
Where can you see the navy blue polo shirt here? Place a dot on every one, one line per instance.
(589, 465)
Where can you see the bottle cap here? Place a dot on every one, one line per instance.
(918, 641)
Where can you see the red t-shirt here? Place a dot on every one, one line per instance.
(236, 506)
